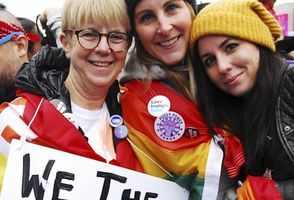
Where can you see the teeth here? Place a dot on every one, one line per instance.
(169, 42)
(101, 64)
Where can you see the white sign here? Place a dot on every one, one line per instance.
(34, 172)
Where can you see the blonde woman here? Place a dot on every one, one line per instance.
(73, 100)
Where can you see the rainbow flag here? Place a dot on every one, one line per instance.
(193, 161)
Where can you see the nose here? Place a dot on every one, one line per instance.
(103, 46)
(165, 25)
(224, 64)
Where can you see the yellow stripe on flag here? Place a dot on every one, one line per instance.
(180, 162)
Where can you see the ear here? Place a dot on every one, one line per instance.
(22, 44)
(66, 44)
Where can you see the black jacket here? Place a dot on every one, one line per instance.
(7, 94)
(285, 113)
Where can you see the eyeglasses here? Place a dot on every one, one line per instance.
(9, 37)
(90, 39)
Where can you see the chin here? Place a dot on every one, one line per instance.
(173, 61)
(238, 93)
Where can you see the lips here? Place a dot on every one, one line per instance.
(100, 64)
(170, 42)
(232, 79)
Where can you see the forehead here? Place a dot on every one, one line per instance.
(102, 27)
(148, 4)
(211, 43)
(211, 40)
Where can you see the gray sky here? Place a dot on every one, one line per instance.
(30, 8)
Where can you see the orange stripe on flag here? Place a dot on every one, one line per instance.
(19, 101)
(245, 192)
(8, 134)
(3, 106)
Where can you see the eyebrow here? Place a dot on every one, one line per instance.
(144, 10)
(225, 42)
(220, 46)
(150, 10)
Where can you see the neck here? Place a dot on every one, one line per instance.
(85, 97)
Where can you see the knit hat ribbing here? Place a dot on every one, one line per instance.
(243, 19)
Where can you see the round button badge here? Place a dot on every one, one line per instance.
(158, 105)
(121, 132)
(169, 126)
(115, 120)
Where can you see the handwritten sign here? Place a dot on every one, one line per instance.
(34, 172)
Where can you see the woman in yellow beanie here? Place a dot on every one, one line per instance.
(244, 87)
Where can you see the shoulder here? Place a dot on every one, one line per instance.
(285, 112)
(286, 96)
(288, 78)
(48, 58)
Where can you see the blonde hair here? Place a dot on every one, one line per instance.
(104, 12)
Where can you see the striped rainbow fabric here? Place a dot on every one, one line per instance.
(195, 163)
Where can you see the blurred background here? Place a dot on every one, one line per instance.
(31, 8)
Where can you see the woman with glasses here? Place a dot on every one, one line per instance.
(167, 131)
(71, 104)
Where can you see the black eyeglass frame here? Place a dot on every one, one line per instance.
(127, 35)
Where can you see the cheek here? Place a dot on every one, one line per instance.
(212, 74)
(121, 59)
(70, 46)
(251, 62)
(9, 57)
(186, 23)
(77, 52)
(145, 33)
(254, 71)
(215, 77)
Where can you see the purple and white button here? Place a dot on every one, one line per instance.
(121, 132)
(170, 126)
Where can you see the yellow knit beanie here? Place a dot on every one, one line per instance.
(243, 19)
